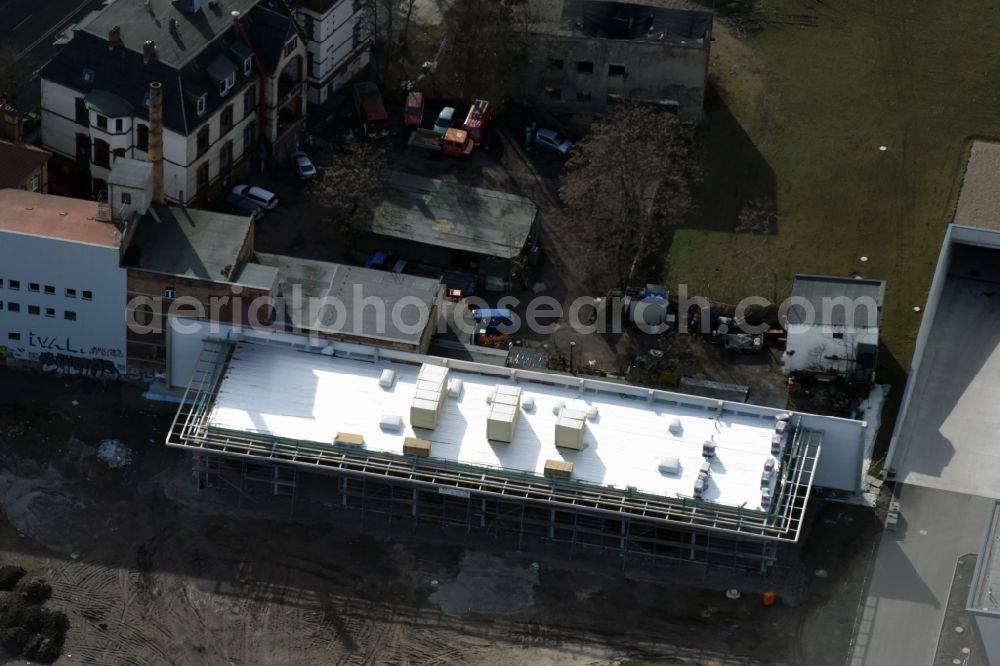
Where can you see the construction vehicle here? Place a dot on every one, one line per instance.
(371, 110)
(478, 120)
(454, 142)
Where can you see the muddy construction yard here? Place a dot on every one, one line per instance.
(149, 570)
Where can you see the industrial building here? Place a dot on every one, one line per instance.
(444, 226)
(833, 327)
(529, 453)
(594, 55)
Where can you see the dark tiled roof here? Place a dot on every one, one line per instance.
(834, 299)
(121, 71)
(18, 161)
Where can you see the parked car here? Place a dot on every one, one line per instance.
(304, 167)
(258, 195)
(413, 112)
(371, 110)
(444, 120)
(552, 140)
(235, 204)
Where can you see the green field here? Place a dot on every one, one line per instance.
(803, 102)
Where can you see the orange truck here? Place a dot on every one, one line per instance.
(454, 142)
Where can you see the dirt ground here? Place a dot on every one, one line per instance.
(149, 571)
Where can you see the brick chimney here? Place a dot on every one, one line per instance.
(114, 37)
(155, 152)
(148, 50)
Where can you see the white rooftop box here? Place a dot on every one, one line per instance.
(504, 409)
(431, 386)
(569, 428)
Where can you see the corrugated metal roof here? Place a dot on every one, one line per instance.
(836, 301)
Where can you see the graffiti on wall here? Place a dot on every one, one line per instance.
(95, 367)
(53, 344)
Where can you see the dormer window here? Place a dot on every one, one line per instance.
(247, 66)
(200, 104)
(290, 46)
(227, 83)
(88, 75)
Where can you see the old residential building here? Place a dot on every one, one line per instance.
(339, 36)
(24, 167)
(232, 89)
(597, 54)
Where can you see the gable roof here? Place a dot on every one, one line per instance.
(18, 161)
(120, 72)
(836, 301)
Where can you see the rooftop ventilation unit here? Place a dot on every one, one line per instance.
(503, 414)
(391, 422)
(780, 427)
(432, 383)
(558, 406)
(699, 487)
(778, 442)
(592, 413)
(455, 388)
(765, 480)
(569, 429)
(528, 403)
(706, 468)
(387, 378)
(675, 427)
(765, 498)
(669, 465)
(708, 449)
(769, 465)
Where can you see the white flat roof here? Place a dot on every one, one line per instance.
(311, 397)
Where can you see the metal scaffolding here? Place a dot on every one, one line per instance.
(493, 499)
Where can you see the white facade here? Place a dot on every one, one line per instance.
(825, 349)
(339, 45)
(63, 304)
(181, 160)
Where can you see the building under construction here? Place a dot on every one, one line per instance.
(535, 454)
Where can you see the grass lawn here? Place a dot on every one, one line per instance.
(802, 107)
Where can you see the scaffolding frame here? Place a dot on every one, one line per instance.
(573, 510)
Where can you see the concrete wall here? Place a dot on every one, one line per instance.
(653, 71)
(812, 348)
(841, 460)
(98, 332)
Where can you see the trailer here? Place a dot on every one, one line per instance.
(454, 142)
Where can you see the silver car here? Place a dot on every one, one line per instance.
(304, 167)
(258, 195)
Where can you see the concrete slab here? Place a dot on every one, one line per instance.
(902, 614)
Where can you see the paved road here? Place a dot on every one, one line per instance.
(28, 28)
(902, 614)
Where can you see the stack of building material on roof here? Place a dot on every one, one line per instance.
(504, 410)
(558, 469)
(414, 446)
(432, 384)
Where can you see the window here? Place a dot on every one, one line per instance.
(290, 46)
(33, 286)
(247, 66)
(126, 198)
(838, 336)
(88, 75)
(553, 93)
(142, 137)
(248, 100)
(102, 122)
(1, 283)
(202, 177)
(202, 140)
(71, 293)
(143, 315)
(248, 136)
(50, 312)
(226, 119)
(35, 181)
(13, 336)
(34, 310)
(119, 125)
(585, 67)
(200, 105)
(50, 290)
(102, 156)
(69, 315)
(13, 307)
(225, 156)
(555, 63)
(14, 284)
(583, 95)
(225, 84)
(170, 292)
(616, 70)
(87, 295)
(118, 152)
(82, 115)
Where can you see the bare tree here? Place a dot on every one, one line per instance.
(488, 49)
(12, 74)
(354, 180)
(627, 181)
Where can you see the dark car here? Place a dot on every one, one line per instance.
(237, 205)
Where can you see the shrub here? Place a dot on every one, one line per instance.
(9, 576)
(34, 590)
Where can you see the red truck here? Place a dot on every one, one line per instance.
(371, 110)
(478, 120)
